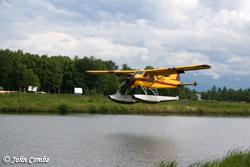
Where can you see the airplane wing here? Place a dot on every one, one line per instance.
(192, 67)
(180, 69)
(160, 71)
(116, 72)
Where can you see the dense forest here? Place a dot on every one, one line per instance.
(60, 74)
(226, 94)
(56, 74)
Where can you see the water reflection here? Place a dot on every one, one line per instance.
(142, 150)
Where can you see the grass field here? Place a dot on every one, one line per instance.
(233, 159)
(22, 103)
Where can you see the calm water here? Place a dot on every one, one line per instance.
(115, 140)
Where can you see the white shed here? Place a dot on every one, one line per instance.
(32, 89)
(78, 91)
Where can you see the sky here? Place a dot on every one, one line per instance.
(160, 33)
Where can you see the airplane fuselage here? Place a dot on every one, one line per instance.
(156, 82)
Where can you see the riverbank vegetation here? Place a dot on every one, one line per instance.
(233, 159)
(23, 103)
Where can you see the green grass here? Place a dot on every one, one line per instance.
(23, 103)
(233, 159)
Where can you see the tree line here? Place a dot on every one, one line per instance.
(226, 94)
(60, 74)
(56, 74)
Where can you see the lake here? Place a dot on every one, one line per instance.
(120, 140)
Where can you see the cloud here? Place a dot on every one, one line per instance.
(139, 33)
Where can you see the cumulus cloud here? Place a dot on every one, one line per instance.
(158, 33)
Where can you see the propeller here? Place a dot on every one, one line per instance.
(126, 83)
(131, 79)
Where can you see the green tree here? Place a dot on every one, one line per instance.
(148, 67)
(126, 67)
(29, 78)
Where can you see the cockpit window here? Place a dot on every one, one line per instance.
(139, 72)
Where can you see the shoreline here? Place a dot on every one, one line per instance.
(56, 113)
(54, 104)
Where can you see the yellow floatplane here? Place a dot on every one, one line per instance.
(149, 81)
